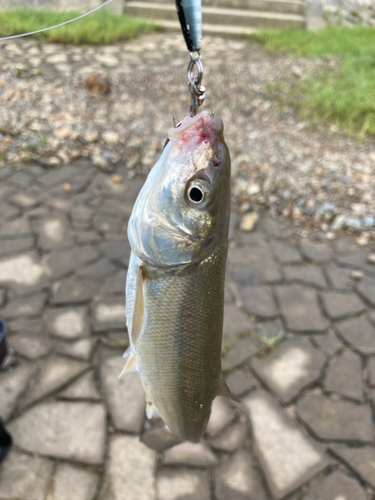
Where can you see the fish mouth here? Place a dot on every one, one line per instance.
(195, 129)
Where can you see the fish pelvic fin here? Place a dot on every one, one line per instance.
(139, 306)
(223, 390)
(151, 410)
(131, 365)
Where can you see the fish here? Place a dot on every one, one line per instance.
(178, 233)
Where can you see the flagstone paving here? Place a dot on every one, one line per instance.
(299, 351)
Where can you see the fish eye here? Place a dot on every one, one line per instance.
(195, 194)
(199, 193)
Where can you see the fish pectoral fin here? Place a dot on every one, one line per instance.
(223, 390)
(130, 363)
(151, 411)
(139, 306)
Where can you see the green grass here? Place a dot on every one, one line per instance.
(345, 96)
(101, 27)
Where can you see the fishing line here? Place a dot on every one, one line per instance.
(57, 25)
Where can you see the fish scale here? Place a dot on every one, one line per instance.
(179, 355)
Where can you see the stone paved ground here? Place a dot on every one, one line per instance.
(299, 344)
(299, 351)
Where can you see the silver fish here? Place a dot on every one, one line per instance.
(178, 232)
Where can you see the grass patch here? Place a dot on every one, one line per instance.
(345, 96)
(101, 27)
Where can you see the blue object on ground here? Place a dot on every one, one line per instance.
(3, 347)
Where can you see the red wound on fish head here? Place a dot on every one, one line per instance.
(196, 129)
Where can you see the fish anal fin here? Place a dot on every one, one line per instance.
(223, 390)
(130, 363)
(151, 411)
(139, 306)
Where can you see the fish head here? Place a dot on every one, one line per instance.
(182, 212)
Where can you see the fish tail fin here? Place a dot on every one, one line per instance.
(223, 390)
(130, 363)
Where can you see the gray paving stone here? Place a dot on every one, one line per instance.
(87, 237)
(344, 376)
(12, 247)
(12, 384)
(83, 388)
(240, 382)
(82, 213)
(107, 224)
(29, 345)
(24, 200)
(336, 485)
(73, 291)
(306, 275)
(340, 305)
(253, 265)
(56, 373)
(73, 483)
(346, 244)
(159, 439)
(258, 300)
(24, 477)
(67, 322)
(54, 233)
(235, 321)
(289, 368)
(2, 296)
(359, 333)
(366, 289)
(115, 284)
(7, 212)
(231, 439)
(81, 349)
(65, 262)
(99, 270)
(242, 351)
(359, 460)
(18, 228)
(270, 330)
(371, 372)
(333, 420)
(316, 252)
(26, 325)
(116, 207)
(58, 176)
(190, 454)
(32, 306)
(287, 455)
(116, 250)
(109, 314)
(182, 483)
(21, 180)
(125, 397)
(24, 273)
(236, 479)
(300, 309)
(73, 431)
(127, 453)
(339, 277)
(222, 415)
(357, 261)
(328, 342)
(285, 253)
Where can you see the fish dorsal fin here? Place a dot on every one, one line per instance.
(130, 363)
(223, 390)
(139, 306)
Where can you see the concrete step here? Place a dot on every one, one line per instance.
(212, 15)
(281, 6)
(211, 29)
